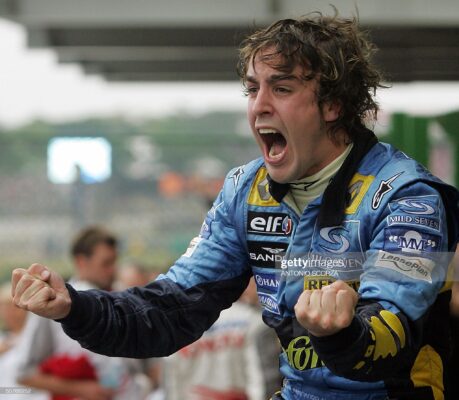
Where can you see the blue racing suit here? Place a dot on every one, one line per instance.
(388, 241)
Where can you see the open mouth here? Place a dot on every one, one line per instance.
(275, 143)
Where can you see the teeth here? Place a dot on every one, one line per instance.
(266, 131)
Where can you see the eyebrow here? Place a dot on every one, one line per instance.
(275, 78)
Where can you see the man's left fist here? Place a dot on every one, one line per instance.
(326, 311)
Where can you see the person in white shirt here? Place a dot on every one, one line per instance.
(13, 321)
(227, 363)
(43, 342)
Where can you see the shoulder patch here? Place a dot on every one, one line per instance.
(408, 240)
(426, 205)
(259, 192)
(416, 211)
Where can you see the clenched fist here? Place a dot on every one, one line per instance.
(326, 311)
(40, 291)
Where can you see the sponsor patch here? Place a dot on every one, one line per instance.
(269, 302)
(259, 193)
(358, 187)
(336, 238)
(266, 282)
(301, 355)
(413, 221)
(192, 246)
(266, 254)
(277, 224)
(384, 188)
(420, 205)
(340, 239)
(413, 267)
(319, 282)
(410, 241)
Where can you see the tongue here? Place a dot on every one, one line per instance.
(277, 147)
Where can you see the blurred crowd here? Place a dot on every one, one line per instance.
(236, 359)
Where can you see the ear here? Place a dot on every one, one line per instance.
(80, 261)
(331, 111)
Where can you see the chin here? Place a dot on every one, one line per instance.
(279, 176)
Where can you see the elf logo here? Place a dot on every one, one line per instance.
(269, 223)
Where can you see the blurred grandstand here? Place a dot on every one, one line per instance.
(164, 175)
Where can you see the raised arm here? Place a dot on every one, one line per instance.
(381, 329)
(161, 317)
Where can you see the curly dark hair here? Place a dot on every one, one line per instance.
(332, 49)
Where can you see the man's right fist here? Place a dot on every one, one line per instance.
(40, 291)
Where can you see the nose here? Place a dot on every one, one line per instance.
(262, 103)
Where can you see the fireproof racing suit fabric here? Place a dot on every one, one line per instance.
(398, 222)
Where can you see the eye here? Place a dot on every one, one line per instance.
(250, 90)
(282, 89)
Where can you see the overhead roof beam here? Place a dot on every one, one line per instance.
(43, 13)
(142, 53)
(184, 36)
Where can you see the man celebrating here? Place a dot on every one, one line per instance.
(344, 235)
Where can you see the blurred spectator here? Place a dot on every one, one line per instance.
(227, 362)
(13, 321)
(135, 274)
(267, 344)
(12, 318)
(50, 360)
(132, 274)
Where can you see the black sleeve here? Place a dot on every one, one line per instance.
(151, 321)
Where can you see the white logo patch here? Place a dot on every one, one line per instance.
(192, 246)
(417, 207)
(333, 236)
(413, 267)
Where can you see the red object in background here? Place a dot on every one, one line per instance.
(171, 184)
(206, 393)
(68, 367)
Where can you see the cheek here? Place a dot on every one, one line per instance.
(250, 116)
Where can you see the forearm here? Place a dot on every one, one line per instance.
(152, 321)
(52, 384)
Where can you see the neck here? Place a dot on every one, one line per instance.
(304, 191)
